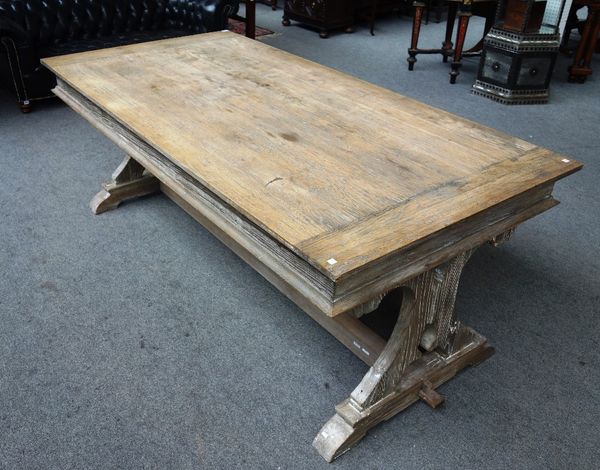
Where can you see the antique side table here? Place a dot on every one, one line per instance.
(464, 9)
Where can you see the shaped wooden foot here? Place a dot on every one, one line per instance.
(128, 181)
(25, 106)
(427, 347)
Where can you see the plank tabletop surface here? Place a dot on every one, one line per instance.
(330, 166)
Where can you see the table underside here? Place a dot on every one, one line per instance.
(428, 344)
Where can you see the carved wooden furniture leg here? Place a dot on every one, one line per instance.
(581, 68)
(463, 23)
(428, 346)
(447, 44)
(489, 22)
(128, 181)
(416, 29)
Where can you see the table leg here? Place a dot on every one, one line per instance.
(373, 15)
(571, 24)
(427, 347)
(129, 181)
(489, 22)
(447, 44)
(416, 29)
(251, 19)
(581, 68)
(592, 43)
(438, 11)
(463, 23)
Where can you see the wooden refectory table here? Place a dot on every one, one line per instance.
(335, 190)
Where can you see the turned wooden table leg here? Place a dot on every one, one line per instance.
(447, 44)
(463, 23)
(128, 181)
(427, 347)
(416, 29)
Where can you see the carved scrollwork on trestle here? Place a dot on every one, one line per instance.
(502, 238)
(426, 348)
(427, 306)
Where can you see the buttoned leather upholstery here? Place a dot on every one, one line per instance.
(33, 29)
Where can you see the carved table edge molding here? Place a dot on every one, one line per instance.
(329, 296)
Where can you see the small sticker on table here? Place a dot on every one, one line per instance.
(332, 261)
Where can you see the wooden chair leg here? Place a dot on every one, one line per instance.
(416, 29)
(447, 44)
(463, 23)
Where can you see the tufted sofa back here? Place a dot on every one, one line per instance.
(49, 22)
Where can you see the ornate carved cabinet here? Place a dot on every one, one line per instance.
(325, 15)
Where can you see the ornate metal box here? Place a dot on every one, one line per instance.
(519, 52)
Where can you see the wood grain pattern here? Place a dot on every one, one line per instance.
(347, 171)
(313, 287)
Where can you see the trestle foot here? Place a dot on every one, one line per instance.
(129, 181)
(427, 347)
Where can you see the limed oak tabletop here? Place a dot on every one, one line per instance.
(339, 171)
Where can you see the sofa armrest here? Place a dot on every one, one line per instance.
(201, 16)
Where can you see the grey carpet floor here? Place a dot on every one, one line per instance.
(136, 340)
